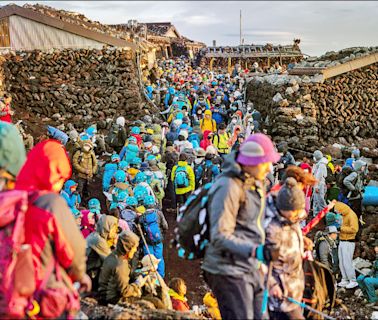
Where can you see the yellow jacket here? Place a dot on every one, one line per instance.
(212, 306)
(349, 227)
(206, 124)
(221, 142)
(191, 176)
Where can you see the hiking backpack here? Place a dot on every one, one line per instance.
(192, 233)
(204, 174)
(318, 238)
(181, 177)
(129, 216)
(150, 225)
(114, 137)
(330, 176)
(346, 171)
(17, 282)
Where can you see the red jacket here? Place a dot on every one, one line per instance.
(204, 143)
(179, 305)
(49, 220)
(139, 139)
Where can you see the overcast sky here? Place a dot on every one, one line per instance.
(321, 25)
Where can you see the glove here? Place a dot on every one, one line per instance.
(267, 253)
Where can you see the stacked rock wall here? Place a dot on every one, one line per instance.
(309, 113)
(74, 86)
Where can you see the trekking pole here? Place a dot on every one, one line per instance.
(264, 307)
(303, 305)
(148, 251)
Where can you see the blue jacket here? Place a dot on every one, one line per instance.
(129, 152)
(217, 116)
(172, 135)
(73, 199)
(109, 170)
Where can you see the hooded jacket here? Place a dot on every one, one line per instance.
(48, 221)
(236, 211)
(86, 227)
(129, 152)
(208, 124)
(172, 135)
(205, 142)
(192, 179)
(97, 246)
(349, 227)
(73, 199)
(320, 171)
(109, 170)
(114, 281)
(83, 161)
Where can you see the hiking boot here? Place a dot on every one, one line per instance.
(352, 285)
(343, 283)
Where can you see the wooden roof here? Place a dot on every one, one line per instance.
(330, 72)
(30, 14)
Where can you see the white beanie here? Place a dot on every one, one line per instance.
(120, 121)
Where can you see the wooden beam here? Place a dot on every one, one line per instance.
(350, 65)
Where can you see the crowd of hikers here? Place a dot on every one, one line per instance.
(242, 203)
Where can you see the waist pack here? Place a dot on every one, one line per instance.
(192, 234)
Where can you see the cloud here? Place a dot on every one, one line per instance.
(321, 25)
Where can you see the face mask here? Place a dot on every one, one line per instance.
(199, 112)
(87, 148)
(234, 120)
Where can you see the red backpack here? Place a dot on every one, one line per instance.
(17, 279)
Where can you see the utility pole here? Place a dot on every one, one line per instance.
(240, 27)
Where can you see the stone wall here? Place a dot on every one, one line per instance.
(74, 86)
(309, 113)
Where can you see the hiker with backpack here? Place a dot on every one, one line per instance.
(153, 224)
(183, 179)
(285, 277)
(85, 163)
(221, 141)
(326, 248)
(117, 135)
(12, 155)
(320, 189)
(354, 186)
(109, 171)
(114, 278)
(129, 214)
(130, 150)
(236, 211)
(50, 236)
(207, 171)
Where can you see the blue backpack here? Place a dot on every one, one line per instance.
(150, 224)
(181, 177)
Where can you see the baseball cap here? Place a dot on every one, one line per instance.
(331, 229)
(258, 148)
